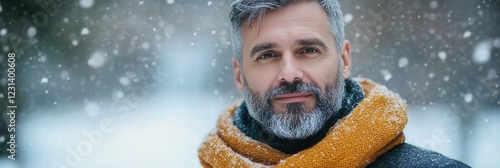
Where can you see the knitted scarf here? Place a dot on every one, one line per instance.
(373, 127)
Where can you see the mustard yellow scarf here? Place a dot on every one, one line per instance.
(373, 127)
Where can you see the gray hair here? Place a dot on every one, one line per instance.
(244, 11)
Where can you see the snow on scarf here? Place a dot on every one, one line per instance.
(372, 128)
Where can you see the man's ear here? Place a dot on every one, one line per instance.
(238, 78)
(346, 58)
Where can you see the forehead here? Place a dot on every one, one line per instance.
(306, 10)
(303, 19)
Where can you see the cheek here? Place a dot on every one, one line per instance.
(259, 79)
(323, 73)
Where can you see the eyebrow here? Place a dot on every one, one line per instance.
(305, 42)
(261, 47)
(312, 42)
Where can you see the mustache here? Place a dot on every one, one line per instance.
(295, 87)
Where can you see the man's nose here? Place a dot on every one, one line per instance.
(290, 69)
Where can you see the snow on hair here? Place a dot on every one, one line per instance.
(245, 11)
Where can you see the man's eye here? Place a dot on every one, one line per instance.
(309, 51)
(266, 56)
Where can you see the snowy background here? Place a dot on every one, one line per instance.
(140, 83)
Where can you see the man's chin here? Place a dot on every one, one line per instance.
(292, 134)
(293, 125)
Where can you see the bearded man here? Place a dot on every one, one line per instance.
(301, 108)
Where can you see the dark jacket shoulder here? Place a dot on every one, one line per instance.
(406, 155)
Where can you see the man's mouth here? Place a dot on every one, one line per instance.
(293, 97)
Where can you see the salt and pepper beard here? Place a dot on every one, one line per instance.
(295, 122)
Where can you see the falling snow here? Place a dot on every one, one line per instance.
(482, 52)
(468, 97)
(145, 46)
(86, 3)
(124, 80)
(92, 108)
(119, 94)
(213, 63)
(387, 74)
(85, 31)
(97, 59)
(44, 80)
(440, 56)
(348, 18)
(403, 61)
(3, 32)
(446, 78)
(31, 31)
(434, 4)
(74, 42)
(467, 34)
